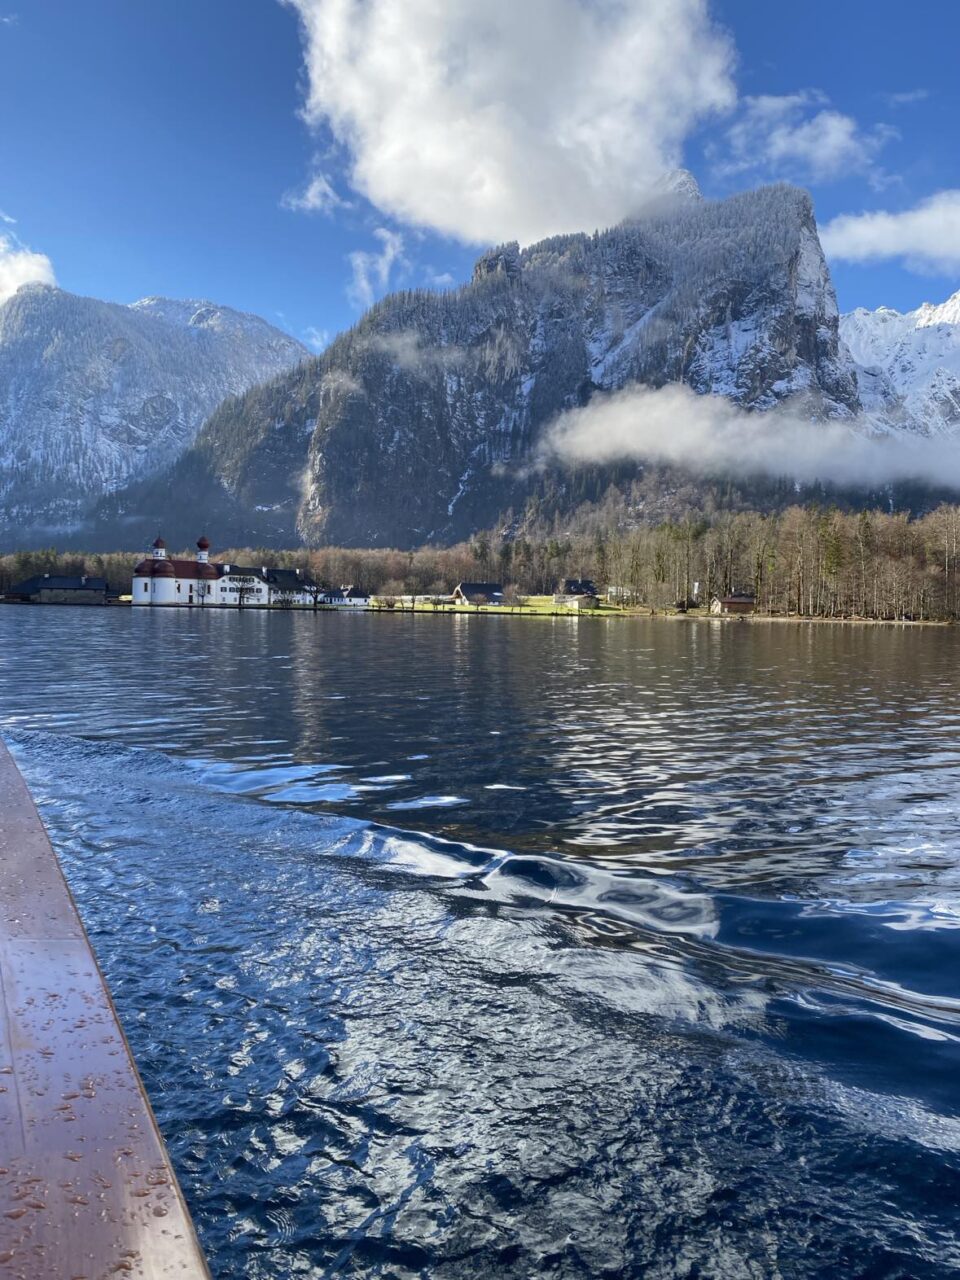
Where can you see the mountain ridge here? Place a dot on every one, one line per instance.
(909, 364)
(96, 394)
(420, 422)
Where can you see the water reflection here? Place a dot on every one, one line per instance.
(662, 984)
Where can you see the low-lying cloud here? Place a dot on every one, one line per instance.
(404, 348)
(709, 435)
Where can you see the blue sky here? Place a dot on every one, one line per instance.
(186, 148)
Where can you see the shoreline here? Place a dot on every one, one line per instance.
(604, 613)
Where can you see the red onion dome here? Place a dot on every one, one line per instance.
(203, 544)
(159, 543)
(144, 569)
(206, 571)
(164, 569)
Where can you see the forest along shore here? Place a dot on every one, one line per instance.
(803, 562)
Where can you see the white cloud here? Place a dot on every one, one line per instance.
(20, 265)
(503, 120)
(800, 133)
(926, 237)
(906, 99)
(408, 353)
(316, 339)
(712, 436)
(318, 196)
(371, 271)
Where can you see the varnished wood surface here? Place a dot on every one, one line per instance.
(86, 1188)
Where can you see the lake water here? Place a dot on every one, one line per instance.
(455, 947)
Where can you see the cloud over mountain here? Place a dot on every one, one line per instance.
(20, 265)
(709, 435)
(504, 120)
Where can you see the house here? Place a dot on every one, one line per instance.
(577, 587)
(478, 593)
(576, 594)
(355, 597)
(289, 586)
(618, 593)
(241, 585)
(736, 603)
(55, 588)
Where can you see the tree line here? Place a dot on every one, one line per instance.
(804, 560)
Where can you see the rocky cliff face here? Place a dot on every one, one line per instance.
(93, 394)
(421, 422)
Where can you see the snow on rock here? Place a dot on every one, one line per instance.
(430, 411)
(679, 182)
(94, 394)
(909, 365)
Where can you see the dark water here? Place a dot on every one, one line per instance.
(456, 947)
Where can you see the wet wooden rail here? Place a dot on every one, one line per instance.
(86, 1187)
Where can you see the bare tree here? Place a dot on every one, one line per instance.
(392, 594)
(316, 592)
(513, 598)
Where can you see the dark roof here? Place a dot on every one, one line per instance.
(480, 588)
(236, 570)
(355, 593)
(579, 587)
(738, 597)
(289, 580)
(56, 582)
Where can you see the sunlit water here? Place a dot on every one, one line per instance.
(455, 947)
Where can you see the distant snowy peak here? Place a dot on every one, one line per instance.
(679, 182)
(911, 362)
(200, 313)
(946, 313)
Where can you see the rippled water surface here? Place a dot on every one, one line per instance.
(454, 947)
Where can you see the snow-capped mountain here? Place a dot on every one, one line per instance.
(909, 375)
(94, 394)
(423, 421)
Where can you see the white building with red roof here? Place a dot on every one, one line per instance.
(170, 580)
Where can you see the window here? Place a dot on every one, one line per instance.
(146, 586)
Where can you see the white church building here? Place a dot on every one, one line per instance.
(165, 580)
